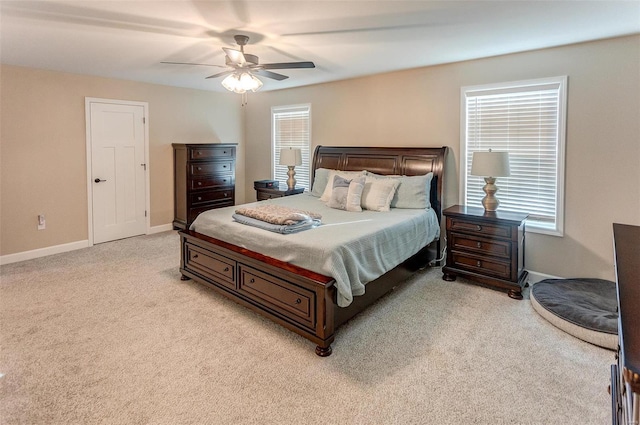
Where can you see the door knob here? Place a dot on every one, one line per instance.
(97, 180)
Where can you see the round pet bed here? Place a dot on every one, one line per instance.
(584, 308)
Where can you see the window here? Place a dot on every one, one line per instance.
(291, 128)
(527, 119)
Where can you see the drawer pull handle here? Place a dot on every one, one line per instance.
(195, 256)
(298, 301)
(252, 280)
(479, 245)
(226, 194)
(226, 269)
(199, 183)
(199, 198)
(198, 153)
(479, 263)
(478, 227)
(199, 168)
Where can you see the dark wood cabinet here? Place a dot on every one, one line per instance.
(204, 178)
(625, 374)
(264, 193)
(486, 247)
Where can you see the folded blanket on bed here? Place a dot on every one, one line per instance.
(285, 229)
(278, 214)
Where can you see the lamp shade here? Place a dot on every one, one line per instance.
(290, 156)
(490, 164)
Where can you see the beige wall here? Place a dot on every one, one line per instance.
(43, 154)
(421, 107)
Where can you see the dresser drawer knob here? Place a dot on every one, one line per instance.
(195, 256)
(224, 166)
(298, 301)
(479, 244)
(226, 194)
(198, 153)
(199, 168)
(478, 227)
(226, 269)
(199, 198)
(479, 263)
(199, 183)
(252, 280)
(224, 151)
(224, 180)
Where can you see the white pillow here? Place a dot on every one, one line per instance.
(413, 191)
(328, 190)
(347, 194)
(378, 193)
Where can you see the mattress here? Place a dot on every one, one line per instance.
(352, 247)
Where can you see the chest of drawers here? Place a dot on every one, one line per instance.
(625, 373)
(204, 178)
(486, 247)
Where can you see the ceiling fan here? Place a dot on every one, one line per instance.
(243, 68)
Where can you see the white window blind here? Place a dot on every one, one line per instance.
(291, 128)
(525, 119)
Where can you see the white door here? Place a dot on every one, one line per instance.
(118, 169)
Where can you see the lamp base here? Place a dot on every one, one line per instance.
(291, 181)
(490, 202)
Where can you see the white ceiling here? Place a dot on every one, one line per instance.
(345, 39)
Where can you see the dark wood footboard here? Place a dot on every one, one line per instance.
(298, 299)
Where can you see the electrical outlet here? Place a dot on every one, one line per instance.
(41, 222)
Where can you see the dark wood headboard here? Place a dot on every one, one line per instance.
(387, 160)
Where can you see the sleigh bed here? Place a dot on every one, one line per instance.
(300, 299)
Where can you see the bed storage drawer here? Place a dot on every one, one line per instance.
(278, 295)
(222, 269)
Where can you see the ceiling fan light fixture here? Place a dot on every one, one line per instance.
(242, 82)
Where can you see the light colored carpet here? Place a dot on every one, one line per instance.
(111, 335)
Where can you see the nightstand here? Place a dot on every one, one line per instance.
(263, 193)
(486, 247)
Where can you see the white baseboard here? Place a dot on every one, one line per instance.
(42, 252)
(57, 249)
(161, 228)
(535, 277)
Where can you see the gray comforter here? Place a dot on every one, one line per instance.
(352, 247)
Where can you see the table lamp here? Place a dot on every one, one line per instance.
(490, 165)
(291, 157)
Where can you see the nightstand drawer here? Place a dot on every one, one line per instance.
(498, 248)
(456, 224)
(481, 265)
(262, 196)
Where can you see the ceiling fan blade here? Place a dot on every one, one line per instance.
(191, 63)
(221, 74)
(269, 74)
(287, 65)
(235, 56)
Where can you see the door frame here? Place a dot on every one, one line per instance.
(87, 107)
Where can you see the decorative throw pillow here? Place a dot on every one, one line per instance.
(413, 191)
(378, 193)
(326, 195)
(347, 194)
